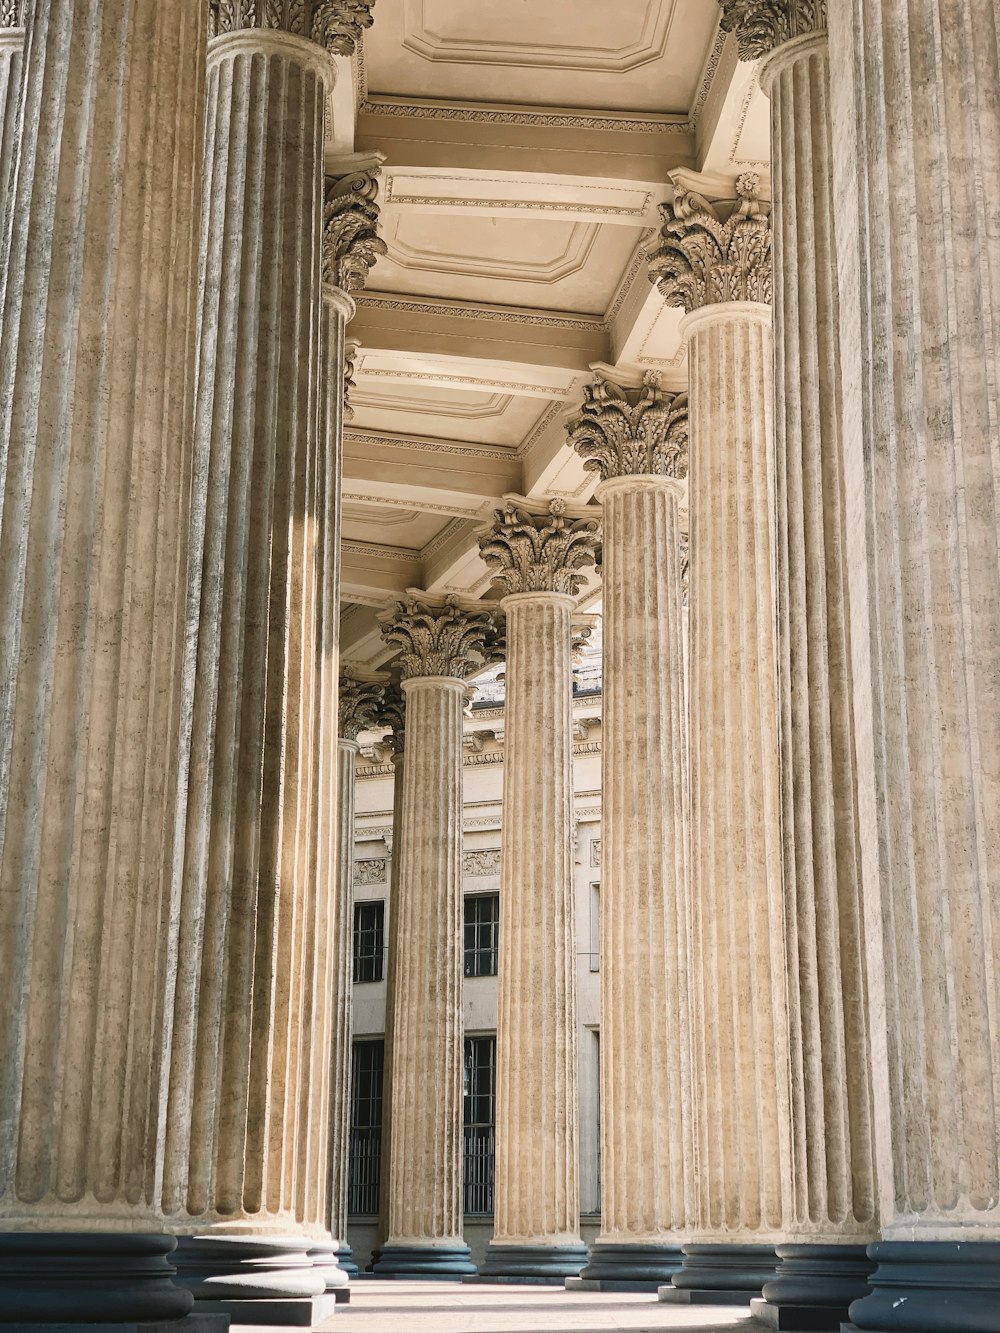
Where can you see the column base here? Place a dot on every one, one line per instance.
(83, 1277)
(544, 1264)
(931, 1287)
(325, 1258)
(434, 1263)
(814, 1286)
(628, 1267)
(721, 1275)
(255, 1279)
(345, 1259)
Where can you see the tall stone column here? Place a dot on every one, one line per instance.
(11, 67)
(442, 644)
(635, 435)
(97, 346)
(248, 1135)
(536, 553)
(715, 262)
(832, 1215)
(917, 181)
(359, 704)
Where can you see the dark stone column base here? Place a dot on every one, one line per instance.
(814, 1286)
(628, 1267)
(345, 1258)
(85, 1277)
(256, 1279)
(721, 1274)
(931, 1287)
(550, 1264)
(325, 1258)
(192, 1323)
(433, 1263)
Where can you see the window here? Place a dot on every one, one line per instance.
(480, 1123)
(482, 921)
(367, 1066)
(369, 930)
(595, 927)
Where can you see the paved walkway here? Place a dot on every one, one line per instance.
(446, 1307)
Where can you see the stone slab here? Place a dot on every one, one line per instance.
(684, 1296)
(290, 1311)
(799, 1318)
(610, 1284)
(192, 1323)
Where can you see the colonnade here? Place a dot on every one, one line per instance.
(799, 983)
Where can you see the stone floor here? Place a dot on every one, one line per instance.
(398, 1307)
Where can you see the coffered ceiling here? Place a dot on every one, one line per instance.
(527, 145)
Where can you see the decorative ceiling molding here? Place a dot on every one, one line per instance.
(469, 310)
(636, 266)
(449, 531)
(379, 439)
(453, 511)
(541, 426)
(708, 75)
(750, 163)
(562, 118)
(533, 198)
(467, 381)
(495, 406)
(378, 551)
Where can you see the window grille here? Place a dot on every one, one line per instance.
(367, 1065)
(480, 1124)
(369, 941)
(482, 926)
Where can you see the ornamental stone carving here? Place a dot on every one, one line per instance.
(351, 243)
(392, 717)
(12, 13)
(705, 257)
(762, 25)
(533, 551)
(481, 863)
(371, 872)
(336, 25)
(685, 551)
(351, 346)
(625, 431)
(441, 638)
(359, 703)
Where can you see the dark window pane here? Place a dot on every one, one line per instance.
(480, 1126)
(366, 1127)
(369, 941)
(482, 923)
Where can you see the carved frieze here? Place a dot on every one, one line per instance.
(442, 638)
(351, 243)
(631, 431)
(482, 863)
(336, 25)
(371, 872)
(595, 853)
(539, 552)
(760, 26)
(713, 252)
(359, 702)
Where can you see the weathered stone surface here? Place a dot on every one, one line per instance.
(98, 471)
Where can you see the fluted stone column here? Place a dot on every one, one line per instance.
(715, 262)
(917, 181)
(536, 553)
(359, 703)
(635, 435)
(98, 469)
(441, 645)
(11, 67)
(832, 1215)
(248, 1135)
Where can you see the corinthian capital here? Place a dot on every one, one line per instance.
(335, 25)
(631, 430)
(351, 346)
(12, 13)
(760, 26)
(359, 699)
(351, 243)
(539, 550)
(713, 252)
(392, 717)
(441, 637)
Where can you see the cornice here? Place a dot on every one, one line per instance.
(491, 113)
(466, 310)
(423, 443)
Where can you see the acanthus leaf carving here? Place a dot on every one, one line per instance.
(704, 260)
(442, 638)
(359, 702)
(12, 13)
(531, 552)
(351, 243)
(392, 717)
(336, 25)
(760, 26)
(624, 432)
(351, 348)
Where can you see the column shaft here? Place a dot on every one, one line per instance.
(11, 67)
(738, 962)
(425, 1185)
(917, 168)
(258, 889)
(537, 1200)
(343, 931)
(646, 1157)
(96, 469)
